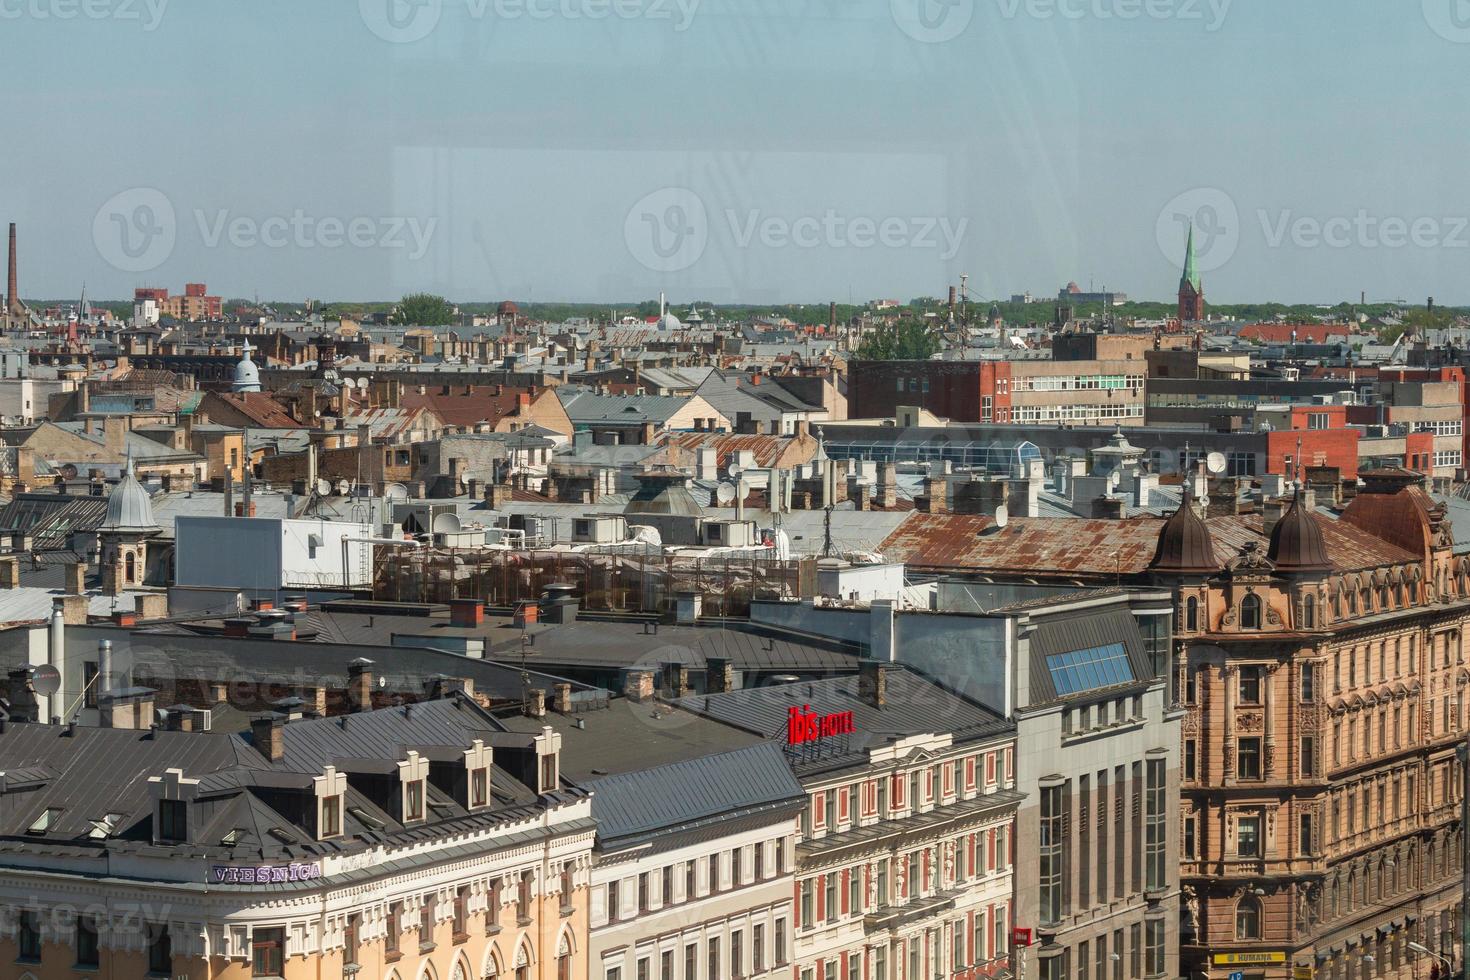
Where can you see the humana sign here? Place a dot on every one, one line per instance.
(805, 725)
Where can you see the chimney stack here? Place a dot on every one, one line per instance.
(265, 732)
(12, 286)
(873, 683)
(719, 675)
(360, 684)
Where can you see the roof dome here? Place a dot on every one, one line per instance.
(1184, 542)
(247, 375)
(669, 322)
(663, 490)
(1296, 541)
(128, 508)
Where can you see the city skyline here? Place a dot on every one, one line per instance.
(820, 153)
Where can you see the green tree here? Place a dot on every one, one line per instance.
(907, 340)
(423, 310)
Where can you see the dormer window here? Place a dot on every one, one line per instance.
(331, 822)
(480, 788)
(413, 800)
(548, 773)
(173, 821)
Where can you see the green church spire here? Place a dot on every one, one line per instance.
(1191, 272)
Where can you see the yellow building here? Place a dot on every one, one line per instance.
(411, 842)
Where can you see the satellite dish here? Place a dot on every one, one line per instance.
(725, 493)
(1215, 463)
(446, 523)
(396, 493)
(343, 487)
(1002, 516)
(323, 488)
(46, 680)
(1115, 478)
(734, 470)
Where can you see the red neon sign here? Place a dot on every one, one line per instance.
(805, 725)
(1020, 936)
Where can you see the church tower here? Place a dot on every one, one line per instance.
(1191, 288)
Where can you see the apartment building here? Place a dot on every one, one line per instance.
(1026, 391)
(693, 877)
(399, 843)
(1323, 679)
(904, 854)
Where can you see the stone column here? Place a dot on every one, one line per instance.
(1268, 739)
(1228, 678)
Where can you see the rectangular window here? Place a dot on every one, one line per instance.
(173, 820)
(1309, 683)
(737, 950)
(1250, 684)
(86, 942)
(1157, 874)
(414, 800)
(758, 948)
(1189, 846)
(778, 942)
(714, 957)
(352, 939)
(1051, 854)
(1191, 759)
(1155, 955)
(1135, 949)
(1306, 834)
(267, 947)
(1248, 837)
(394, 938)
(1308, 756)
(1248, 758)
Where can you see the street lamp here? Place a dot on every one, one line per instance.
(1421, 948)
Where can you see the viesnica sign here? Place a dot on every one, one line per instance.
(263, 874)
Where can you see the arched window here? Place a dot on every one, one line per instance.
(1248, 918)
(130, 569)
(564, 958)
(1191, 614)
(1309, 612)
(1250, 612)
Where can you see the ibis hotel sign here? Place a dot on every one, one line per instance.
(804, 725)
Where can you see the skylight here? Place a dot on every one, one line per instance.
(1090, 669)
(45, 821)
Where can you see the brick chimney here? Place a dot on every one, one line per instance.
(535, 703)
(676, 678)
(265, 733)
(719, 675)
(638, 685)
(12, 281)
(9, 572)
(75, 581)
(873, 683)
(360, 684)
(466, 613)
(562, 697)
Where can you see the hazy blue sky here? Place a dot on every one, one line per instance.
(737, 150)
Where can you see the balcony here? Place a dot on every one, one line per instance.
(894, 918)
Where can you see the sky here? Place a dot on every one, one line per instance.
(737, 151)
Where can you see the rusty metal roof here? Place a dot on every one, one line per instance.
(1061, 547)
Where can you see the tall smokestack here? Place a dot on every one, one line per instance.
(12, 297)
(832, 317)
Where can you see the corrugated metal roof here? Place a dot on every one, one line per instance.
(914, 705)
(717, 786)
